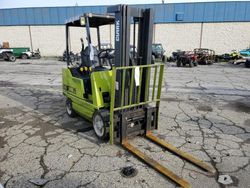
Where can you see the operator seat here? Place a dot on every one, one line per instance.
(86, 57)
(87, 63)
(84, 70)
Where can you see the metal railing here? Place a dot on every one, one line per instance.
(135, 99)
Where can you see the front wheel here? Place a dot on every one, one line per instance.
(69, 109)
(101, 124)
(24, 56)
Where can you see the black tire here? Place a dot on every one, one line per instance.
(202, 62)
(69, 109)
(178, 63)
(101, 124)
(12, 58)
(153, 59)
(247, 63)
(24, 56)
(195, 63)
(164, 59)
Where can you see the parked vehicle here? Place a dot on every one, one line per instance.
(205, 56)
(158, 52)
(223, 57)
(31, 55)
(174, 56)
(7, 54)
(234, 55)
(71, 56)
(186, 58)
(245, 52)
(25, 53)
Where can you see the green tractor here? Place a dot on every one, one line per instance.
(118, 90)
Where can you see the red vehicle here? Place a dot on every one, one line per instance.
(186, 58)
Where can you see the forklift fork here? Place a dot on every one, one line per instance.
(154, 164)
(180, 153)
(163, 170)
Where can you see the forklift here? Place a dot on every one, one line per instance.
(119, 90)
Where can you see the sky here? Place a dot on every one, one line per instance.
(53, 3)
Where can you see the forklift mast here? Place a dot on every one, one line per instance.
(125, 16)
(126, 62)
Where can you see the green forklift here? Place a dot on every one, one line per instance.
(119, 90)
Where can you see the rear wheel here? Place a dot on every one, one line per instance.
(178, 63)
(12, 58)
(69, 109)
(24, 56)
(101, 124)
(247, 63)
(164, 59)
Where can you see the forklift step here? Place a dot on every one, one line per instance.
(163, 170)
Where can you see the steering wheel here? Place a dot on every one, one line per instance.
(106, 55)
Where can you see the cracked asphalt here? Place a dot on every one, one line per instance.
(204, 110)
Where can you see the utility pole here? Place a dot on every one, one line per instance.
(31, 44)
(201, 34)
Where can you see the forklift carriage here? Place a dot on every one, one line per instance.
(119, 90)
